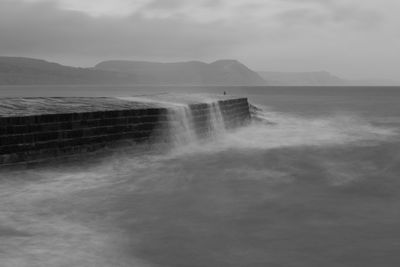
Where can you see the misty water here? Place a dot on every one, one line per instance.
(314, 181)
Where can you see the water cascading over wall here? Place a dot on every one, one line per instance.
(41, 129)
(193, 123)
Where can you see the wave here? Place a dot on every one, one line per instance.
(271, 130)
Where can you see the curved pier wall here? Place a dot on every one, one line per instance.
(42, 137)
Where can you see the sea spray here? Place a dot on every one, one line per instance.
(191, 118)
(260, 186)
(180, 125)
(183, 128)
(217, 125)
(273, 130)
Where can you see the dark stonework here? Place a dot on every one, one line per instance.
(41, 132)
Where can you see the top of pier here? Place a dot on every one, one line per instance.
(32, 106)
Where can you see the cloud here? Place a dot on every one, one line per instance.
(44, 29)
(328, 12)
(342, 36)
(166, 4)
(95, 7)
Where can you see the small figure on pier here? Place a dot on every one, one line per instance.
(224, 92)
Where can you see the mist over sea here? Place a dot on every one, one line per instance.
(313, 182)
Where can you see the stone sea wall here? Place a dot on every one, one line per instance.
(235, 113)
(41, 137)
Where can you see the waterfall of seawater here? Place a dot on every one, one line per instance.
(181, 126)
(182, 130)
(217, 124)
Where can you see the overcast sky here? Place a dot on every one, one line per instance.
(351, 38)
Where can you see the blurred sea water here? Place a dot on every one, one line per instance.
(315, 184)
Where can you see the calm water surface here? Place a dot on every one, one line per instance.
(319, 187)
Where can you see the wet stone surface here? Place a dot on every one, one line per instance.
(39, 129)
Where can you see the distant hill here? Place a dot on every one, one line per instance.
(25, 71)
(320, 78)
(221, 72)
(28, 71)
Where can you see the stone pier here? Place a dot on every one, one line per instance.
(39, 129)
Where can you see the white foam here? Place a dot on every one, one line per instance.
(181, 126)
(277, 130)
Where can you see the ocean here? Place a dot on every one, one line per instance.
(314, 182)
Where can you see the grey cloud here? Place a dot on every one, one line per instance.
(165, 4)
(303, 35)
(43, 29)
(174, 4)
(212, 3)
(365, 18)
(298, 16)
(331, 12)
